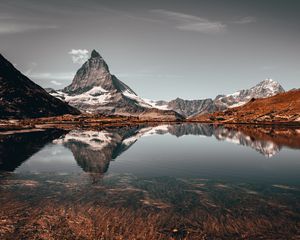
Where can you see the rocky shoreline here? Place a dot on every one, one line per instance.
(69, 122)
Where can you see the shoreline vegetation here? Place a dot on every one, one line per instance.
(284, 133)
(84, 121)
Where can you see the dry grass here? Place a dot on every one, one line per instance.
(278, 109)
(124, 207)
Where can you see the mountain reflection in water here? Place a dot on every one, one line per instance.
(17, 148)
(172, 185)
(93, 150)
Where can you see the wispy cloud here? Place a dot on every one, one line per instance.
(11, 28)
(32, 66)
(148, 75)
(79, 55)
(47, 76)
(130, 15)
(56, 83)
(245, 20)
(189, 22)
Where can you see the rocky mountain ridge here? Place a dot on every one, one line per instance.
(95, 90)
(22, 98)
(281, 108)
(189, 108)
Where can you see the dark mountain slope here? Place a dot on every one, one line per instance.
(22, 98)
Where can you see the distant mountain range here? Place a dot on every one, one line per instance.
(22, 98)
(95, 90)
(281, 108)
(189, 108)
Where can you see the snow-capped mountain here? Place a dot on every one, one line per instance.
(265, 88)
(189, 108)
(95, 90)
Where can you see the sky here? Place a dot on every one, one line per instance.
(162, 49)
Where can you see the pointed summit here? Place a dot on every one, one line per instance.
(94, 72)
(268, 80)
(95, 54)
(269, 85)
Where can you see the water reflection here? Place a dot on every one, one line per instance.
(58, 189)
(17, 148)
(93, 150)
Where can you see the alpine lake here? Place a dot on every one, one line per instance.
(171, 181)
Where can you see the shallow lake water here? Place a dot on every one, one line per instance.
(182, 181)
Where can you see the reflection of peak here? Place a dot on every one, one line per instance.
(88, 159)
(92, 139)
(267, 148)
(191, 129)
(93, 150)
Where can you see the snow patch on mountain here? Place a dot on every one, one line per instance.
(95, 96)
(267, 148)
(265, 88)
(95, 90)
(144, 102)
(94, 140)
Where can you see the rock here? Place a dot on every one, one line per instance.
(22, 98)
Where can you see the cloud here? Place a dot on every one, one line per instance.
(31, 68)
(245, 20)
(147, 75)
(79, 55)
(192, 23)
(56, 83)
(130, 16)
(45, 76)
(11, 28)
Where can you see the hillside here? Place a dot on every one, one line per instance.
(22, 98)
(281, 108)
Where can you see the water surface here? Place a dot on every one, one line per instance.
(183, 181)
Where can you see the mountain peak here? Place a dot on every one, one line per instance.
(271, 85)
(95, 54)
(269, 80)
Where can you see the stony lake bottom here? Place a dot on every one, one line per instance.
(183, 181)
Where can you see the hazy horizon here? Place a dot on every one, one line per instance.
(161, 49)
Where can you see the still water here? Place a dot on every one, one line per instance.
(183, 181)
